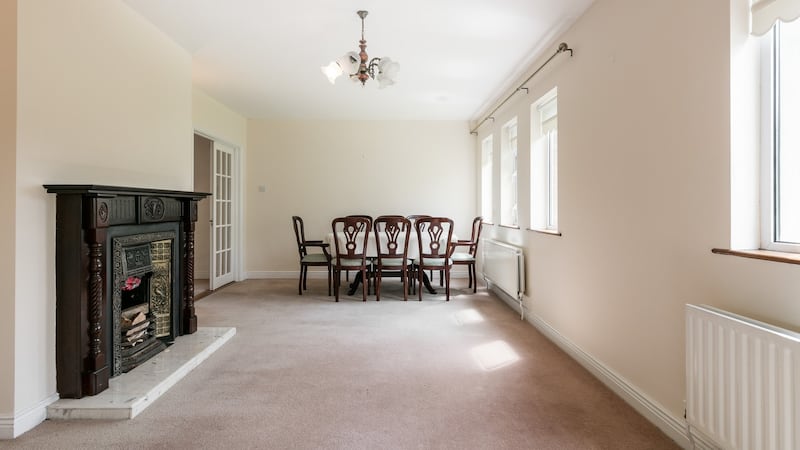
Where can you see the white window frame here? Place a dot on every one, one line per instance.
(509, 198)
(770, 126)
(487, 178)
(544, 163)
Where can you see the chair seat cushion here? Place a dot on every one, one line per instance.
(438, 262)
(462, 257)
(315, 258)
(393, 261)
(347, 262)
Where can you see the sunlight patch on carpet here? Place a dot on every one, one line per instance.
(468, 316)
(494, 355)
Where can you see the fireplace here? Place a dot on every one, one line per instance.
(124, 279)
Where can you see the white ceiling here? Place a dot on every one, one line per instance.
(262, 58)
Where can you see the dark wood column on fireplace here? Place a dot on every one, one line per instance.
(84, 214)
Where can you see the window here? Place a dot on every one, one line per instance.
(508, 174)
(486, 178)
(781, 140)
(544, 163)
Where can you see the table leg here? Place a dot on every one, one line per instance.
(354, 284)
(427, 283)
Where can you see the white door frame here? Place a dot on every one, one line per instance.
(238, 209)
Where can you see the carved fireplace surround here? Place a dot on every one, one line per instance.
(90, 221)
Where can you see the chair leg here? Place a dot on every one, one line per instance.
(404, 274)
(329, 280)
(420, 274)
(411, 279)
(447, 284)
(370, 279)
(337, 274)
(378, 278)
(469, 273)
(474, 275)
(441, 281)
(300, 281)
(364, 284)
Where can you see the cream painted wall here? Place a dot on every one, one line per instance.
(8, 146)
(645, 114)
(216, 120)
(103, 98)
(323, 169)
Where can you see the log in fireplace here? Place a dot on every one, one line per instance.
(124, 279)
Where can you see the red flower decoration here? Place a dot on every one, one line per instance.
(132, 283)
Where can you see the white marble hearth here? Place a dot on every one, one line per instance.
(130, 393)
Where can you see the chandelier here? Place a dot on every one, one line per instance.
(360, 67)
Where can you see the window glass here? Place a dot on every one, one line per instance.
(787, 133)
(544, 162)
(487, 156)
(508, 175)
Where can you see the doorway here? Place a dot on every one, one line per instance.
(216, 231)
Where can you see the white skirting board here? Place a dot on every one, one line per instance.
(11, 427)
(672, 426)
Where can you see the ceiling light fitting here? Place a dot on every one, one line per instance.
(360, 67)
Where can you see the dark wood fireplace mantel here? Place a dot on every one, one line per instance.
(84, 216)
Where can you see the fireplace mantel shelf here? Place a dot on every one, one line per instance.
(100, 190)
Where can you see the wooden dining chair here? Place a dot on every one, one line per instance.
(350, 236)
(468, 258)
(391, 240)
(310, 258)
(413, 218)
(434, 235)
(370, 259)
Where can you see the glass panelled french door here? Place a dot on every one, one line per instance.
(222, 219)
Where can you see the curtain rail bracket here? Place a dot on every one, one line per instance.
(562, 47)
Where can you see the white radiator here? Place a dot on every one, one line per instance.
(504, 268)
(742, 381)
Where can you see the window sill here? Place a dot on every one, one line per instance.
(513, 227)
(543, 231)
(766, 255)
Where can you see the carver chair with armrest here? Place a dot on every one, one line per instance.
(434, 235)
(310, 258)
(391, 241)
(468, 257)
(350, 244)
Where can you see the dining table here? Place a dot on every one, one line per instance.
(372, 252)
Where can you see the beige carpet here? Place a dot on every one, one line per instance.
(304, 372)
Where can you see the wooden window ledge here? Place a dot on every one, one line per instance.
(543, 231)
(767, 255)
